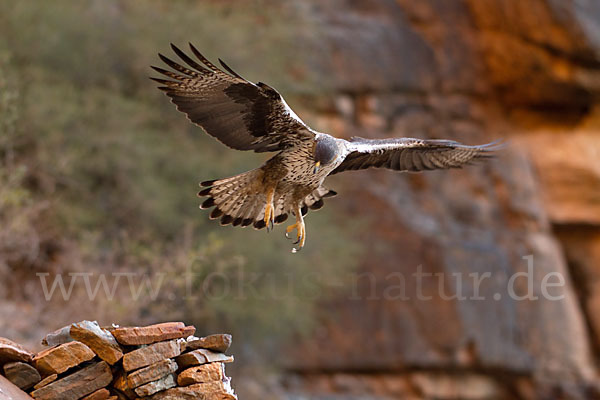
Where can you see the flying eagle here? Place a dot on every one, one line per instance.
(248, 116)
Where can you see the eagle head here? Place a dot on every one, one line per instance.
(326, 152)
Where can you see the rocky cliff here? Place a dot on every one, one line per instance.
(474, 71)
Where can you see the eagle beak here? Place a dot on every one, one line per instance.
(317, 166)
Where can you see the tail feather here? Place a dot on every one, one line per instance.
(314, 201)
(236, 199)
(240, 201)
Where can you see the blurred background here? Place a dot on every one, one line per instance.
(99, 173)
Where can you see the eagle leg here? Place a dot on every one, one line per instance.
(300, 229)
(270, 210)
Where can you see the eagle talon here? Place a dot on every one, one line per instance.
(270, 211)
(300, 229)
(290, 229)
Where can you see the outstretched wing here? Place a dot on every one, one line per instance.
(239, 113)
(407, 154)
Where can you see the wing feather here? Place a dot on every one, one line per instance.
(237, 112)
(407, 154)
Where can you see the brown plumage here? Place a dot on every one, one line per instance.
(248, 116)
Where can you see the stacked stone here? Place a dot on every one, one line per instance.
(85, 361)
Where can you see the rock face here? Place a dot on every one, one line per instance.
(477, 70)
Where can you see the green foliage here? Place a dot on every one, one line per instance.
(117, 166)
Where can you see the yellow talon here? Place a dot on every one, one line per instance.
(269, 216)
(300, 229)
(270, 210)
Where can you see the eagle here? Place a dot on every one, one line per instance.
(254, 116)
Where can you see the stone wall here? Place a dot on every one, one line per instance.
(85, 361)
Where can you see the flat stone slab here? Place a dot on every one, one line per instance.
(151, 373)
(57, 360)
(99, 340)
(149, 389)
(8, 391)
(78, 384)
(200, 391)
(219, 343)
(45, 381)
(21, 374)
(150, 354)
(59, 336)
(135, 336)
(201, 356)
(100, 394)
(202, 374)
(11, 351)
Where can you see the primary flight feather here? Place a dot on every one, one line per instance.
(248, 116)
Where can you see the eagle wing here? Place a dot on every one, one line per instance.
(408, 154)
(239, 113)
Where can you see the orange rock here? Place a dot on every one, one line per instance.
(11, 351)
(202, 374)
(205, 391)
(151, 354)
(57, 360)
(120, 383)
(219, 343)
(132, 336)
(151, 373)
(201, 356)
(570, 184)
(163, 383)
(45, 381)
(100, 394)
(78, 384)
(99, 340)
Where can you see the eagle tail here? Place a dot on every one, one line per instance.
(237, 200)
(314, 201)
(240, 201)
